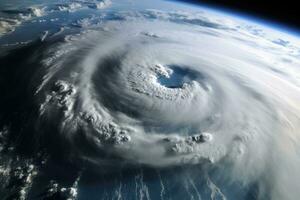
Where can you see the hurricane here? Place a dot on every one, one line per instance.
(150, 104)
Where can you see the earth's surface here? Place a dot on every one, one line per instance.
(146, 100)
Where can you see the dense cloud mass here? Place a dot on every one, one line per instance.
(151, 104)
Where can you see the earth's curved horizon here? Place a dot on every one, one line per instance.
(120, 99)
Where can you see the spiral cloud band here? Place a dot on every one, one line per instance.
(119, 97)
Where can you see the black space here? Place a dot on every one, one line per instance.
(284, 12)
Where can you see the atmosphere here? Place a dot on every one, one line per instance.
(285, 13)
